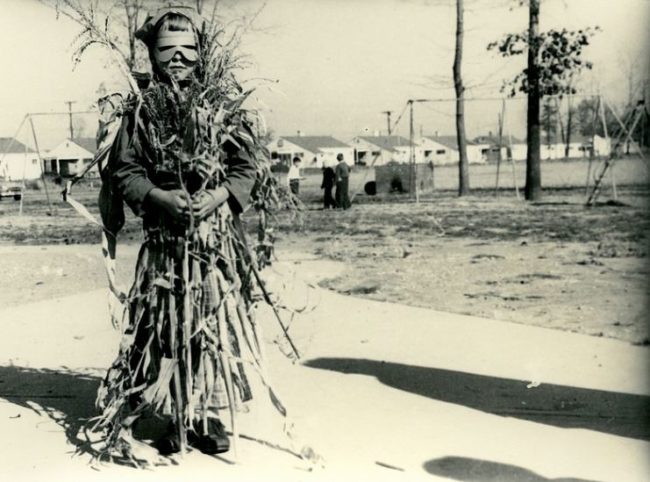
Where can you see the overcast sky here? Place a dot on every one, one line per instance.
(337, 64)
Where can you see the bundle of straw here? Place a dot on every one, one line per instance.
(189, 331)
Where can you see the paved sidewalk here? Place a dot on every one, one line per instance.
(382, 392)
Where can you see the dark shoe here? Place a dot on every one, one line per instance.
(214, 442)
(169, 444)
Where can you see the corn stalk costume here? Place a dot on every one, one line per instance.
(189, 333)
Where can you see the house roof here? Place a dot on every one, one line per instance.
(88, 143)
(314, 143)
(77, 148)
(448, 141)
(494, 140)
(10, 145)
(386, 142)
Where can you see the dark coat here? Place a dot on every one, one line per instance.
(329, 176)
(135, 174)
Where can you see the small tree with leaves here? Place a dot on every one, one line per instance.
(555, 59)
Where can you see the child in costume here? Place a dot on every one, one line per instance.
(185, 160)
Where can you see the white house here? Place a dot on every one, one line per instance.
(71, 157)
(17, 161)
(444, 150)
(602, 146)
(550, 149)
(313, 151)
(491, 148)
(380, 150)
(438, 150)
(579, 147)
(510, 147)
(518, 148)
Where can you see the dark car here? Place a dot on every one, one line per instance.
(12, 189)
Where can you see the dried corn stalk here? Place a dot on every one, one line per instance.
(188, 326)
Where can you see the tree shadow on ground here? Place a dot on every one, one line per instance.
(66, 397)
(474, 470)
(614, 413)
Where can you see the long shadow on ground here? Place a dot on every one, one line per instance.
(68, 398)
(474, 470)
(561, 406)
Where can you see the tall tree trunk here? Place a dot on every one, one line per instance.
(533, 189)
(463, 168)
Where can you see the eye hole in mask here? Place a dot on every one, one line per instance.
(169, 43)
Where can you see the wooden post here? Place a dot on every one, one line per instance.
(503, 108)
(511, 157)
(40, 161)
(592, 153)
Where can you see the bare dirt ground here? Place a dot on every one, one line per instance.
(555, 264)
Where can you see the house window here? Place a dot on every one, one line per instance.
(427, 153)
(440, 151)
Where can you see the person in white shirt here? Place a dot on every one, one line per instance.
(293, 176)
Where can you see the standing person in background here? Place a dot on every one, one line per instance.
(329, 179)
(342, 178)
(293, 177)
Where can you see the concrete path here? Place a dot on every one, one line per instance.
(382, 392)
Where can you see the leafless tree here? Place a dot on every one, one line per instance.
(463, 168)
(133, 10)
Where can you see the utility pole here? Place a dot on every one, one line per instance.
(388, 113)
(412, 180)
(70, 102)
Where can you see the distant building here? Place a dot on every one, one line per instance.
(602, 146)
(17, 161)
(580, 146)
(313, 151)
(491, 147)
(71, 157)
(444, 150)
(380, 150)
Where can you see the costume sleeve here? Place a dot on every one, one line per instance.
(130, 174)
(240, 177)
